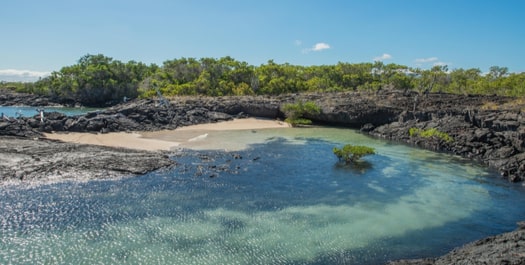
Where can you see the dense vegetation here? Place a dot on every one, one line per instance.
(99, 80)
(295, 112)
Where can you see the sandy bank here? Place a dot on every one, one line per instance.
(166, 139)
(120, 139)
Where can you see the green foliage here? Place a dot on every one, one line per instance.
(96, 79)
(226, 76)
(352, 153)
(16, 86)
(295, 112)
(413, 131)
(430, 133)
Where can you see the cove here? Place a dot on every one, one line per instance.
(24, 111)
(279, 198)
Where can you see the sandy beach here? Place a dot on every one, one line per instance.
(166, 139)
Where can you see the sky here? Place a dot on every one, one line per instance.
(39, 37)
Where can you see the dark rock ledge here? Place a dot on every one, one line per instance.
(25, 160)
(507, 248)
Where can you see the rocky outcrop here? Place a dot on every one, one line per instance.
(507, 248)
(18, 128)
(11, 98)
(30, 160)
(493, 137)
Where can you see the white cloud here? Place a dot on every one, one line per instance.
(15, 75)
(426, 60)
(298, 42)
(320, 46)
(383, 57)
(317, 47)
(440, 64)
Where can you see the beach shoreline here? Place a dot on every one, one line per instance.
(164, 140)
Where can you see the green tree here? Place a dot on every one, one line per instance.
(462, 81)
(96, 80)
(496, 72)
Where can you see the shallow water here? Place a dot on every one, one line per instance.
(283, 200)
(16, 111)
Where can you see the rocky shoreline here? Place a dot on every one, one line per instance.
(487, 129)
(494, 137)
(507, 248)
(27, 161)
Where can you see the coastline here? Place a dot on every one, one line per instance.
(164, 140)
(492, 136)
(33, 161)
(495, 137)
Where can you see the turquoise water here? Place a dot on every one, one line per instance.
(283, 200)
(16, 111)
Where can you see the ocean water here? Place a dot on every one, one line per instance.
(16, 111)
(283, 199)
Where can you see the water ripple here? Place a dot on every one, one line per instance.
(291, 205)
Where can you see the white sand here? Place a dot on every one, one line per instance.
(165, 139)
(120, 139)
(237, 124)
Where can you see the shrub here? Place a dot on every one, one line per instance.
(352, 153)
(430, 133)
(295, 112)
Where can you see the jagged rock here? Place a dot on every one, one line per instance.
(43, 160)
(16, 128)
(507, 248)
(11, 98)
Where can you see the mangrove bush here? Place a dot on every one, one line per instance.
(352, 153)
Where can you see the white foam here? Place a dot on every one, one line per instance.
(198, 138)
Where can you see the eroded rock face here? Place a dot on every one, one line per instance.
(493, 138)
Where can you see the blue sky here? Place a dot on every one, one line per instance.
(42, 36)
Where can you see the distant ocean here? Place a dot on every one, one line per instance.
(13, 112)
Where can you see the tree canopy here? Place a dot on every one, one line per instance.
(97, 80)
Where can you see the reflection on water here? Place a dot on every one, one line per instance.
(285, 201)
